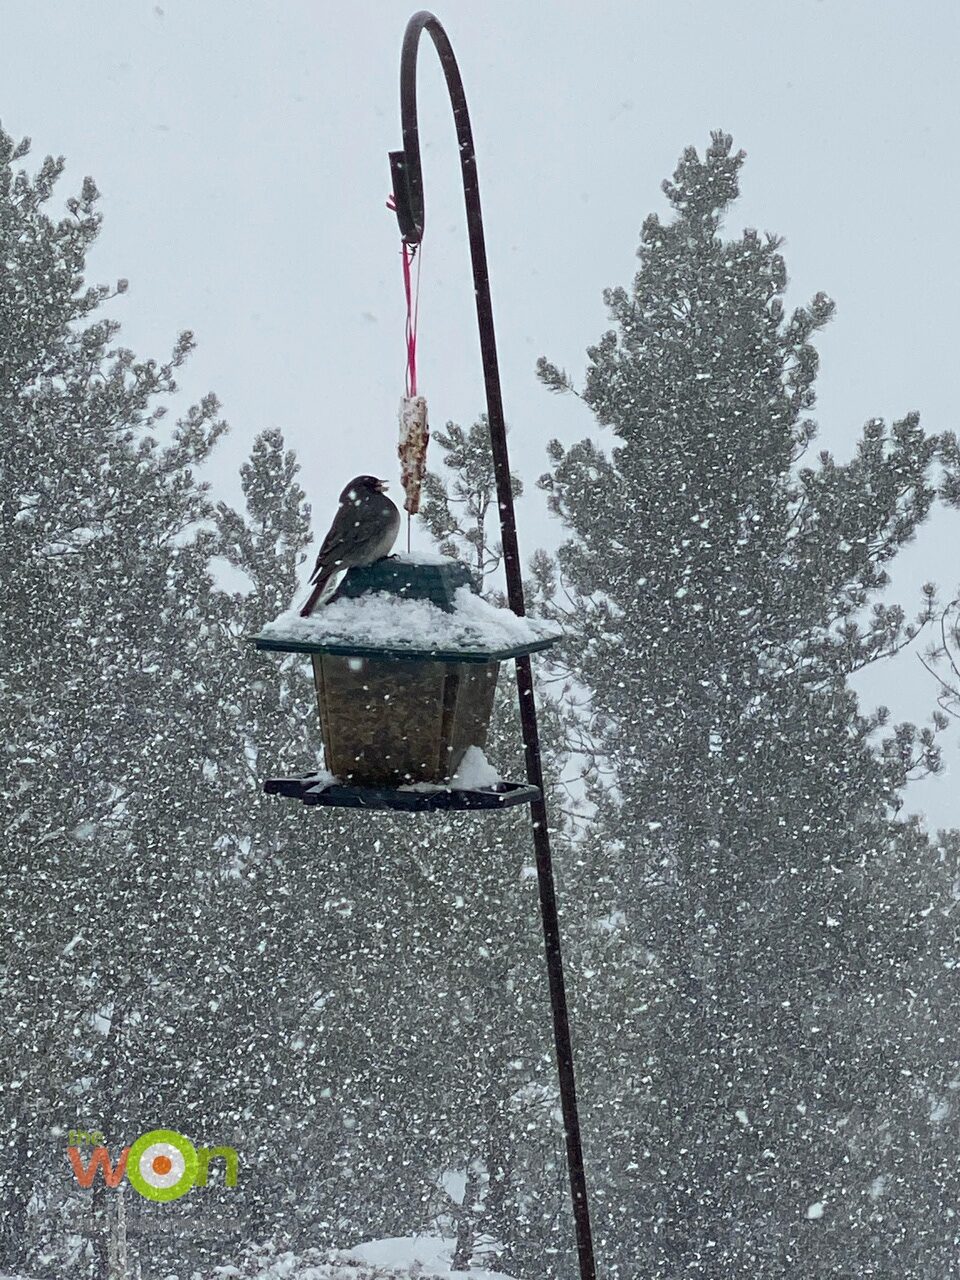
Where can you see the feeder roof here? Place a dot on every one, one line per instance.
(449, 625)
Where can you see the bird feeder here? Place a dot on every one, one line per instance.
(405, 663)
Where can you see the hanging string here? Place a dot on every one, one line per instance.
(411, 290)
(412, 293)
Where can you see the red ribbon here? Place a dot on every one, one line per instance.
(409, 252)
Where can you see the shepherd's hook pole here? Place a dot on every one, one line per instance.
(408, 196)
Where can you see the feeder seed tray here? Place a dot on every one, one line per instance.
(306, 790)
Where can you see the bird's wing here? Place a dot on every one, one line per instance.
(338, 539)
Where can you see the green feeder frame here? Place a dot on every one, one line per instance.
(397, 719)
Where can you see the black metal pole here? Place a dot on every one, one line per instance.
(408, 195)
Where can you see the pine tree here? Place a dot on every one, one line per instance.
(273, 718)
(108, 723)
(285, 943)
(744, 804)
(942, 659)
(459, 516)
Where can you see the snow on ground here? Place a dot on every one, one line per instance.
(401, 1258)
(430, 1253)
(389, 621)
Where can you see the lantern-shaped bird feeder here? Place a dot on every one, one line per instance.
(405, 662)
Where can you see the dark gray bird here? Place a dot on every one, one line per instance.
(363, 530)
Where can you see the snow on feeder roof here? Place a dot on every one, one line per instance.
(403, 607)
(405, 660)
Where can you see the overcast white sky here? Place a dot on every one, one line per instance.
(241, 149)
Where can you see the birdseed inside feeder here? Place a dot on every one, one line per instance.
(405, 660)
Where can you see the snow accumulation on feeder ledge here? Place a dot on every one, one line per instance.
(409, 608)
(405, 659)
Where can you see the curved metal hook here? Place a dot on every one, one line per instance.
(408, 196)
(405, 164)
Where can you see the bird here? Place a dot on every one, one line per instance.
(363, 530)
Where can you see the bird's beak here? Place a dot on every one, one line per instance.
(382, 486)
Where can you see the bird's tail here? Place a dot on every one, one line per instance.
(319, 588)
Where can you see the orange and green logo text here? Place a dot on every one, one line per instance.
(161, 1165)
